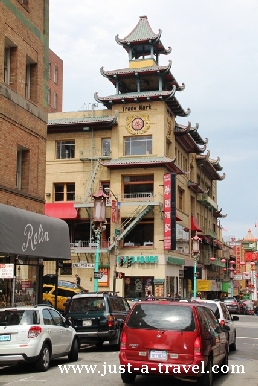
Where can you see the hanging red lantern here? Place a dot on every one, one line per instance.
(212, 258)
(225, 269)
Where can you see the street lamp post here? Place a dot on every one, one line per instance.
(195, 252)
(116, 240)
(98, 226)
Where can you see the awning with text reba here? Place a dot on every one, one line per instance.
(63, 210)
(194, 225)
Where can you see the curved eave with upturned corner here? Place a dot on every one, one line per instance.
(136, 162)
(203, 162)
(77, 123)
(189, 139)
(195, 187)
(145, 73)
(143, 34)
(165, 96)
(218, 214)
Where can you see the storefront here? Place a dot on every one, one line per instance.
(27, 239)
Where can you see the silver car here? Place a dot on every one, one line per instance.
(35, 334)
(225, 319)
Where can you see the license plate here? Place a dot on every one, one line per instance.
(4, 338)
(87, 322)
(158, 355)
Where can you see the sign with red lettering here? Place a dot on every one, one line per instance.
(237, 251)
(6, 271)
(113, 209)
(169, 211)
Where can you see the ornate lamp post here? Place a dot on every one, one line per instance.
(195, 251)
(98, 226)
(115, 217)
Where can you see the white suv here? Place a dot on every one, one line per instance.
(35, 334)
(225, 319)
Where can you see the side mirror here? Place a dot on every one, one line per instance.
(225, 328)
(234, 317)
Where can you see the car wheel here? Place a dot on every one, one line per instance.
(207, 378)
(73, 354)
(43, 362)
(128, 377)
(232, 347)
(224, 370)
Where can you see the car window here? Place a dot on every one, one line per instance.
(214, 308)
(212, 320)
(18, 317)
(161, 317)
(226, 314)
(117, 304)
(58, 320)
(86, 304)
(47, 318)
(126, 305)
(47, 289)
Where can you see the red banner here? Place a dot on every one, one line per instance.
(237, 251)
(113, 209)
(251, 256)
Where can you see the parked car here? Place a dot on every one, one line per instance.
(97, 317)
(35, 334)
(231, 304)
(64, 293)
(160, 334)
(248, 307)
(225, 318)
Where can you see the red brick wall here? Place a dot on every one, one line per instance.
(55, 87)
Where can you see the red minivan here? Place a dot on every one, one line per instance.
(183, 340)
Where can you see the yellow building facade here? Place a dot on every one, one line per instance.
(127, 148)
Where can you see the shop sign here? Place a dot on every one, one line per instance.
(204, 285)
(82, 265)
(6, 271)
(158, 281)
(238, 277)
(25, 284)
(175, 261)
(140, 259)
(104, 280)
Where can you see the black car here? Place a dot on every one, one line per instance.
(97, 317)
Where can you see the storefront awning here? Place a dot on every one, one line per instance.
(63, 210)
(194, 225)
(31, 234)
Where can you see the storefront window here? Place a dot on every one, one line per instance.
(138, 287)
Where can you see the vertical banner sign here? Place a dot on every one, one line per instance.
(167, 211)
(173, 211)
(113, 209)
(237, 251)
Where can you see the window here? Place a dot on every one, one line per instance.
(65, 149)
(49, 70)
(31, 79)
(49, 97)
(27, 81)
(180, 198)
(55, 74)
(106, 145)
(65, 192)
(66, 269)
(58, 321)
(141, 235)
(7, 65)
(140, 187)
(55, 100)
(47, 319)
(22, 168)
(139, 145)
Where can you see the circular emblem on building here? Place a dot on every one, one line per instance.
(137, 124)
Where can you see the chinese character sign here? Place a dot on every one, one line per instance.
(167, 211)
(6, 271)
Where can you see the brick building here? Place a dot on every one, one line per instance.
(132, 148)
(24, 38)
(55, 83)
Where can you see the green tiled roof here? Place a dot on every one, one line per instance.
(142, 31)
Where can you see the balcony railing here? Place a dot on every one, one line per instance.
(205, 200)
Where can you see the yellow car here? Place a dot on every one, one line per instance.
(63, 293)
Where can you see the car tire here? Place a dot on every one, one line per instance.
(232, 347)
(207, 378)
(43, 362)
(128, 377)
(73, 354)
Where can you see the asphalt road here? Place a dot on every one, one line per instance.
(246, 355)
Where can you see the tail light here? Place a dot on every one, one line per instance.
(123, 341)
(222, 323)
(197, 346)
(34, 331)
(110, 321)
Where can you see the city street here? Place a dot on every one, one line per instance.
(246, 355)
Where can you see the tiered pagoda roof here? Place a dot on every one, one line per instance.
(141, 39)
(117, 163)
(209, 166)
(189, 138)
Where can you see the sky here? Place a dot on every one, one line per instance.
(214, 53)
